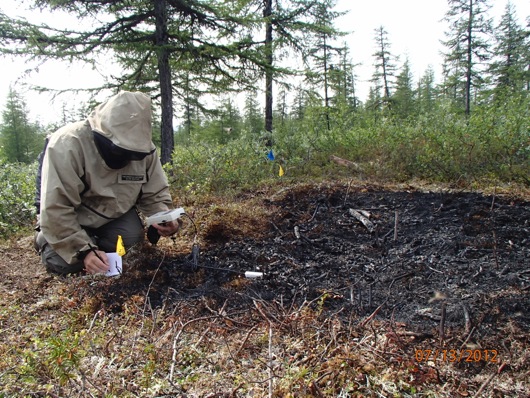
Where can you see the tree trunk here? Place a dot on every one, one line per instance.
(326, 84)
(267, 13)
(164, 72)
(469, 60)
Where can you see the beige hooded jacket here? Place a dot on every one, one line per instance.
(79, 190)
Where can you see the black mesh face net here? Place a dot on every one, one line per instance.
(114, 156)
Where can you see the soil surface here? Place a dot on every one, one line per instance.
(419, 252)
(446, 275)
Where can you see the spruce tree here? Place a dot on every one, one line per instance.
(19, 138)
(253, 114)
(510, 66)
(427, 92)
(404, 98)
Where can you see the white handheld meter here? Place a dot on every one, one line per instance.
(165, 216)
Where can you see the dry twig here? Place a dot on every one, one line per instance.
(395, 225)
(442, 324)
(245, 340)
(488, 381)
(372, 316)
(467, 318)
(271, 375)
(175, 340)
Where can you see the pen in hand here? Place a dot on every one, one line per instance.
(98, 263)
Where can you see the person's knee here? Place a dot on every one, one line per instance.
(51, 260)
(56, 264)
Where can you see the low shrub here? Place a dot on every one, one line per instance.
(17, 184)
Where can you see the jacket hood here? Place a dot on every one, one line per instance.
(125, 119)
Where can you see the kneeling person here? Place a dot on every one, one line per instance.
(97, 175)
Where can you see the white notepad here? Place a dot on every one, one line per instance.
(116, 265)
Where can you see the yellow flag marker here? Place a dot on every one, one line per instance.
(120, 249)
(281, 173)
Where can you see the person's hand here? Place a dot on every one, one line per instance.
(167, 228)
(96, 262)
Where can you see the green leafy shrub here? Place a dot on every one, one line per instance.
(210, 167)
(492, 145)
(17, 184)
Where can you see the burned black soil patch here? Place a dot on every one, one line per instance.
(444, 264)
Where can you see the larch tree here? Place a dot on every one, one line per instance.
(343, 79)
(190, 104)
(150, 40)
(385, 67)
(269, 61)
(290, 28)
(281, 111)
(468, 45)
(298, 105)
(324, 54)
(373, 105)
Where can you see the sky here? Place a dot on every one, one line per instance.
(414, 27)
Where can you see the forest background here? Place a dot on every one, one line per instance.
(469, 127)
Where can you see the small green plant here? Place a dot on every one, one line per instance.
(53, 358)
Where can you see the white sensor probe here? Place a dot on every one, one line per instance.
(165, 216)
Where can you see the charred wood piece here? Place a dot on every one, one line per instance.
(363, 217)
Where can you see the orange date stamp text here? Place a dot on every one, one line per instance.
(456, 355)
